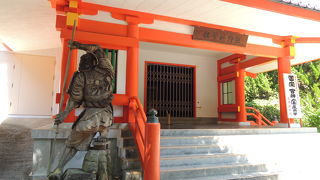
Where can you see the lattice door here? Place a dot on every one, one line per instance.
(170, 89)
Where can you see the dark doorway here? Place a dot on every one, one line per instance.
(170, 89)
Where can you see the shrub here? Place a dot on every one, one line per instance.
(268, 108)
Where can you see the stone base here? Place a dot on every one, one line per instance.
(235, 123)
(132, 175)
(285, 125)
(76, 174)
(43, 138)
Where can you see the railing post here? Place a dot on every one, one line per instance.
(152, 154)
(259, 119)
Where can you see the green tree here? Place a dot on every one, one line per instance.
(265, 87)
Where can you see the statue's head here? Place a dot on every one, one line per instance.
(87, 62)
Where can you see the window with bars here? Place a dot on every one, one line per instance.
(228, 96)
(170, 89)
(113, 54)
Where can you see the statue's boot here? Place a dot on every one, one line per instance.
(55, 175)
(66, 156)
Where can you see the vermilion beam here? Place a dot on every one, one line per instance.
(90, 6)
(255, 61)
(179, 39)
(231, 57)
(252, 75)
(278, 8)
(228, 108)
(246, 64)
(227, 77)
(227, 70)
(102, 39)
(308, 39)
(120, 100)
(163, 37)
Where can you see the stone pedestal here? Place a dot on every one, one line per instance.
(43, 139)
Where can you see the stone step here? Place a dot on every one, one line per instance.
(246, 176)
(191, 150)
(188, 140)
(240, 131)
(188, 121)
(195, 160)
(177, 141)
(132, 152)
(191, 160)
(181, 172)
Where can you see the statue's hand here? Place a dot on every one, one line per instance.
(60, 117)
(73, 44)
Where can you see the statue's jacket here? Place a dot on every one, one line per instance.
(93, 90)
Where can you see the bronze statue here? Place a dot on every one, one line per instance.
(91, 87)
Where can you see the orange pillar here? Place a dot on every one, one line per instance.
(132, 62)
(73, 67)
(132, 71)
(152, 158)
(284, 66)
(240, 96)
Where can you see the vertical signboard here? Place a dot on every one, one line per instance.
(292, 96)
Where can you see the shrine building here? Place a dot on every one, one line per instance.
(186, 59)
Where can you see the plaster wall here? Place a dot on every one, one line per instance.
(206, 75)
(56, 53)
(27, 84)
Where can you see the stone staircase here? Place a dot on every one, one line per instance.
(193, 154)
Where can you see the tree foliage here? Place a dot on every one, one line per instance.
(265, 87)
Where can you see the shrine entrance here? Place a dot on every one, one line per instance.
(170, 89)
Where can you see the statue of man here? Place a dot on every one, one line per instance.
(91, 87)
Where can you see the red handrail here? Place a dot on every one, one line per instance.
(261, 119)
(147, 138)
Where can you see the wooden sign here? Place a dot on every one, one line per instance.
(292, 96)
(219, 36)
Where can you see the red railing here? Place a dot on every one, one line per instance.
(261, 120)
(147, 138)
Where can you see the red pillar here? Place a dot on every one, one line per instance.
(284, 66)
(132, 70)
(240, 96)
(73, 67)
(152, 158)
(132, 62)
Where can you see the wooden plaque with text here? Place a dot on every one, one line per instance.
(219, 36)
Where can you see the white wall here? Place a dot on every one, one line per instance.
(29, 83)
(206, 75)
(57, 54)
